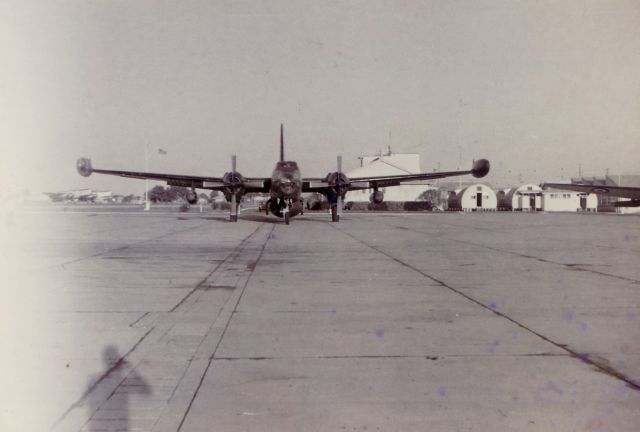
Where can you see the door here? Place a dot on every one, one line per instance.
(532, 202)
(479, 200)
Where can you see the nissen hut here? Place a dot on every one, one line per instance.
(477, 197)
(527, 197)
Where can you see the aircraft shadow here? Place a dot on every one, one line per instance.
(262, 218)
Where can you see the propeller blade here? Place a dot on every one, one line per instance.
(339, 163)
(281, 142)
(233, 163)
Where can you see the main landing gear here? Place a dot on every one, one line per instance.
(233, 210)
(335, 216)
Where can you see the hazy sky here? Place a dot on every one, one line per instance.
(537, 87)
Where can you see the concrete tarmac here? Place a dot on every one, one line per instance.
(168, 321)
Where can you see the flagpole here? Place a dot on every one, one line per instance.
(147, 204)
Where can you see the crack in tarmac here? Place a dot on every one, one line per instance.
(250, 269)
(575, 267)
(585, 358)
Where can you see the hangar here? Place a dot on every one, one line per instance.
(388, 164)
(527, 197)
(476, 197)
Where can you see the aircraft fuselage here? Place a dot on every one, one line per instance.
(286, 189)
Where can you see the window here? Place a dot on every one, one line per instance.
(479, 188)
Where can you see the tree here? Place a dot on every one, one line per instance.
(167, 194)
(157, 194)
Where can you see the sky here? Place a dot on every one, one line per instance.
(542, 89)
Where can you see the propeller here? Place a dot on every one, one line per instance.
(338, 184)
(233, 184)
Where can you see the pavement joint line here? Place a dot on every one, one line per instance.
(154, 329)
(232, 255)
(120, 248)
(140, 318)
(399, 356)
(250, 270)
(575, 267)
(116, 365)
(168, 325)
(585, 358)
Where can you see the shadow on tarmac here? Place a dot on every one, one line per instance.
(262, 218)
(117, 404)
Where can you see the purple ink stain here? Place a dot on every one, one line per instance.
(494, 345)
(583, 326)
(442, 391)
(627, 237)
(632, 316)
(379, 334)
(568, 316)
(514, 334)
(493, 305)
(333, 312)
(594, 424)
(584, 356)
(552, 387)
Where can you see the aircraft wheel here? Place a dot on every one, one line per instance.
(233, 218)
(286, 218)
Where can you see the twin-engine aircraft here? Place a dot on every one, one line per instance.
(285, 185)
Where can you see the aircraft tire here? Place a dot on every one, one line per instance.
(335, 217)
(286, 218)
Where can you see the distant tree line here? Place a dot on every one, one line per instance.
(174, 193)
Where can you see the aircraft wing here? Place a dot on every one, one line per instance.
(213, 183)
(480, 169)
(617, 191)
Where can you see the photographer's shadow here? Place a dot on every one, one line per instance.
(113, 414)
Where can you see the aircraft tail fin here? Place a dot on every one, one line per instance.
(281, 142)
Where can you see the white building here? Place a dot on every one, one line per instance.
(388, 164)
(568, 201)
(104, 196)
(527, 197)
(477, 197)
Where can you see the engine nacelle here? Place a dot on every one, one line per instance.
(338, 185)
(233, 185)
(192, 196)
(377, 197)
